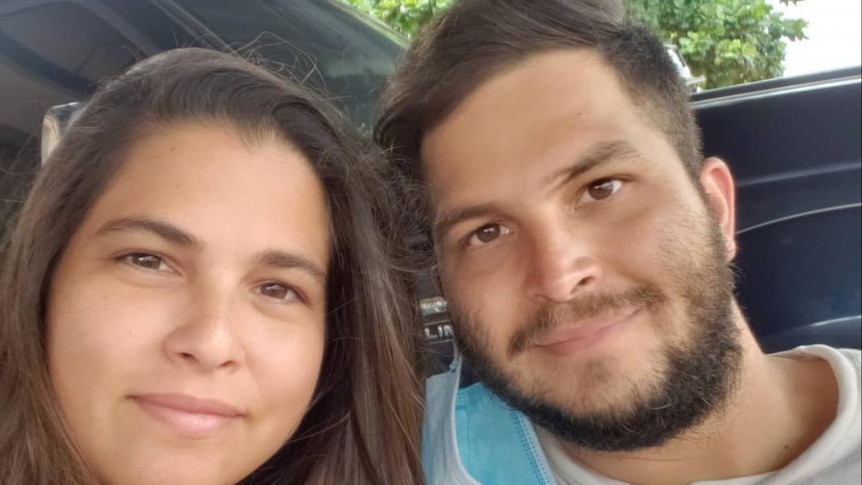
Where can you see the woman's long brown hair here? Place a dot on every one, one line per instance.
(364, 424)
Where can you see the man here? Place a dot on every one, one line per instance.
(584, 246)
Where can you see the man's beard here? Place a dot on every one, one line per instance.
(700, 372)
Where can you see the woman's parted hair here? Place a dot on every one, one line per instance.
(364, 425)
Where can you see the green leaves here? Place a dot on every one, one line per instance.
(405, 16)
(727, 41)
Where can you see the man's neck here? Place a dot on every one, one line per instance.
(779, 409)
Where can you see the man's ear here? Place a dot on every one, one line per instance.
(717, 183)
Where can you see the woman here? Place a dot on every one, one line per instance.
(201, 288)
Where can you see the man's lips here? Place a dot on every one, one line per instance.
(190, 416)
(582, 332)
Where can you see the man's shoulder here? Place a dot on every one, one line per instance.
(832, 354)
(834, 457)
(854, 355)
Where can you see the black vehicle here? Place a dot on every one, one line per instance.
(793, 144)
(55, 52)
(794, 147)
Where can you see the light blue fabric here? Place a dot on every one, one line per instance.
(471, 437)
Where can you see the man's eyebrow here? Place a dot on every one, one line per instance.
(164, 230)
(284, 260)
(449, 219)
(599, 154)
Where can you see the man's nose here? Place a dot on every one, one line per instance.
(206, 335)
(563, 265)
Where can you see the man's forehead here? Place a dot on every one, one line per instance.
(530, 95)
(548, 104)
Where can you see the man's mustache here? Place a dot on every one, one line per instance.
(551, 316)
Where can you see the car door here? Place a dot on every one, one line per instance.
(53, 53)
(794, 148)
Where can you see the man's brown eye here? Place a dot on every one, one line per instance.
(488, 233)
(602, 189)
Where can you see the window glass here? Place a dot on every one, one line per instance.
(325, 45)
(67, 39)
(834, 36)
(50, 54)
(714, 43)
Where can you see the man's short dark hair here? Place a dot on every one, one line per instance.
(467, 45)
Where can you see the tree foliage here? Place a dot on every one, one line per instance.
(727, 41)
(405, 16)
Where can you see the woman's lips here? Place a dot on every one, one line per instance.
(580, 334)
(191, 417)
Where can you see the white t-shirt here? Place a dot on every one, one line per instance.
(834, 459)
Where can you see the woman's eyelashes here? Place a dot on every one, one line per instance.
(280, 292)
(151, 263)
(146, 261)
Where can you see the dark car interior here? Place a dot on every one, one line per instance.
(55, 52)
(793, 144)
(795, 151)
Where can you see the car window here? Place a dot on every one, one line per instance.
(321, 43)
(90, 50)
(55, 52)
(715, 44)
(729, 43)
(833, 36)
(51, 53)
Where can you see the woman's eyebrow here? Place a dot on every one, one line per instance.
(284, 260)
(165, 230)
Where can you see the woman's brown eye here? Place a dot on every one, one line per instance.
(487, 234)
(602, 190)
(147, 261)
(276, 290)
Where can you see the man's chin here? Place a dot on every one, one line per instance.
(614, 399)
(601, 406)
(610, 420)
